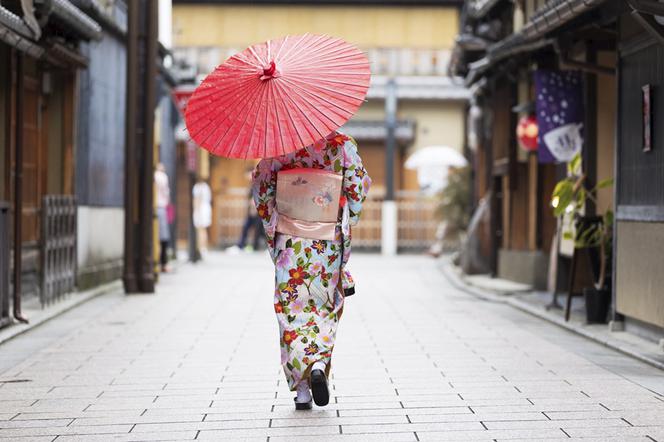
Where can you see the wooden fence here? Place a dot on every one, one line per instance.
(58, 271)
(416, 224)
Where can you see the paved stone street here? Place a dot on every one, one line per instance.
(416, 359)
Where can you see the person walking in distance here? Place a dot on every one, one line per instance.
(202, 213)
(252, 224)
(163, 199)
(307, 201)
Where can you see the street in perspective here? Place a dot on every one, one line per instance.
(416, 359)
(331, 220)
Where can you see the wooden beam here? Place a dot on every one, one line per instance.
(507, 212)
(69, 130)
(533, 194)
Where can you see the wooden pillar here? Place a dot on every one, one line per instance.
(69, 129)
(142, 34)
(590, 126)
(507, 212)
(533, 206)
(18, 185)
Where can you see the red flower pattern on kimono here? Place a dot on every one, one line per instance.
(289, 336)
(297, 276)
(337, 140)
(331, 259)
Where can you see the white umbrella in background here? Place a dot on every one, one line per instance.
(432, 165)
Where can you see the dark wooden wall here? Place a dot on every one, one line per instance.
(641, 174)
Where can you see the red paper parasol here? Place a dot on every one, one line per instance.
(278, 97)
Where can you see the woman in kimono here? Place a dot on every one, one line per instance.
(308, 297)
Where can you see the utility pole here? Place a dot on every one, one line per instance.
(142, 40)
(389, 228)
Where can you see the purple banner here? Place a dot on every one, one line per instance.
(559, 107)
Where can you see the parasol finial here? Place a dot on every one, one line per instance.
(269, 72)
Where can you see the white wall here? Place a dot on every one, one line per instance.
(100, 235)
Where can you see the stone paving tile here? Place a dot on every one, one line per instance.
(34, 423)
(433, 365)
(473, 417)
(586, 439)
(29, 438)
(203, 426)
(293, 432)
(484, 435)
(408, 411)
(577, 423)
(656, 433)
(390, 437)
(417, 427)
(55, 431)
(168, 436)
(344, 421)
(136, 419)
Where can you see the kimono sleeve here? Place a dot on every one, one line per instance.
(264, 193)
(356, 180)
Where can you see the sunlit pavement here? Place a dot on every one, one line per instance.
(415, 360)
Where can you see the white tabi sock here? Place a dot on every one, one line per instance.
(319, 365)
(303, 393)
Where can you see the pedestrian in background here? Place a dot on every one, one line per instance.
(309, 252)
(163, 200)
(202, 196)
(252, 223)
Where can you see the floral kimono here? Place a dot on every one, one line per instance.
(307, 299)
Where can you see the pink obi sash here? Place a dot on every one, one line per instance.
(308, 202)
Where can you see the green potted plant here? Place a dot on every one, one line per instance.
(570, 197)
(453, 209)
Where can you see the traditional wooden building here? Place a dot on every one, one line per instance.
(40, 59)
(614, 47)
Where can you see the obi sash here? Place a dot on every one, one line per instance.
(308, 202)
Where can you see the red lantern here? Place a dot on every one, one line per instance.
(526, 133)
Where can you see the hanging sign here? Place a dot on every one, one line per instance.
(181, 96)
(559, 110)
